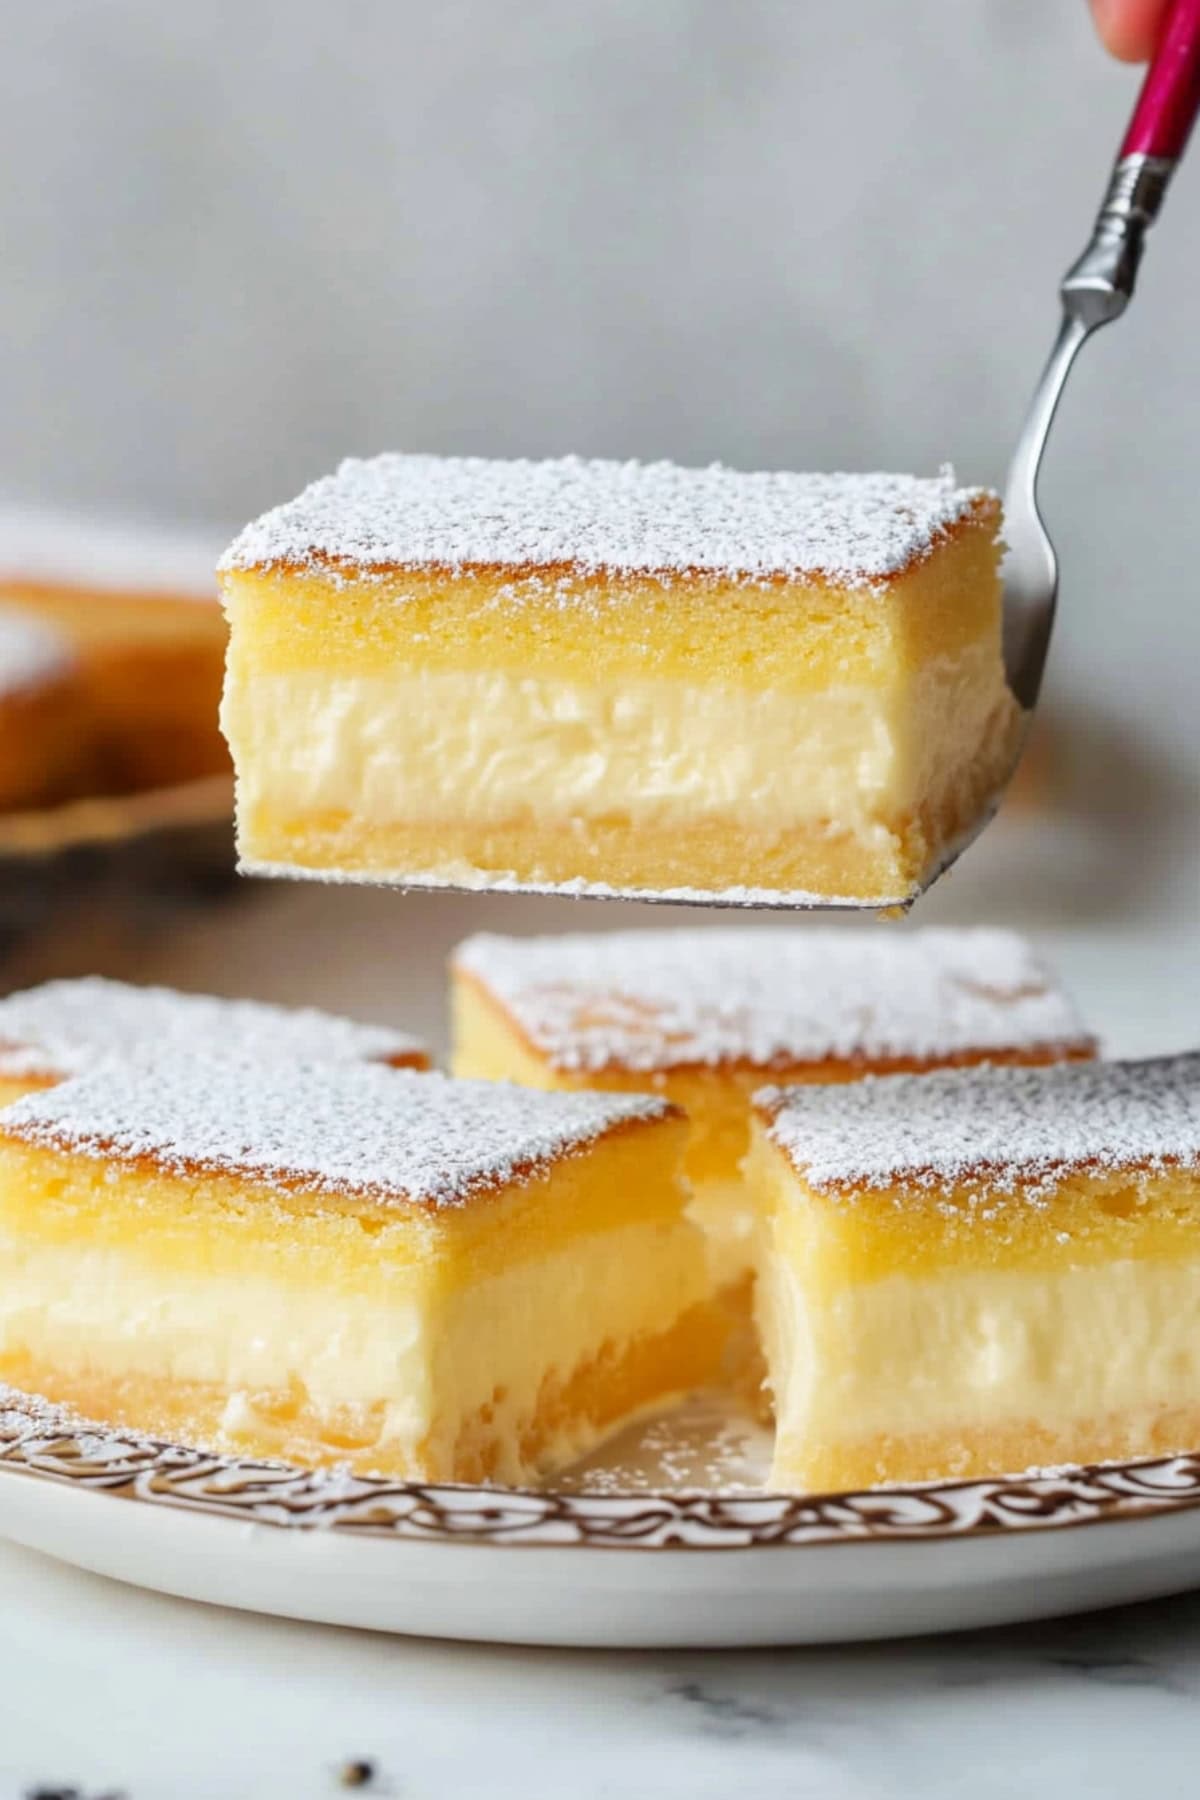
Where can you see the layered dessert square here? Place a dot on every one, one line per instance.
(139, 604)
(336, 1264)
(63, 1028)
(980, 1271)
(706, 1017)
(597, 677)
(41, 731)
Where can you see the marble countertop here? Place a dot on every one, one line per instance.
(112, 1690)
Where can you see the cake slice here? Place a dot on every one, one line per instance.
(331, 1264)
(600, 677)
(139, 604)
(981, 1271)
(63, 1028)
(707, 1017)
(41, 731)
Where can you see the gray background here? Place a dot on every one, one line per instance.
(240, 240)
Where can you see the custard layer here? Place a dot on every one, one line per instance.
(396, 1379)
(496, 748)
(972, 1359)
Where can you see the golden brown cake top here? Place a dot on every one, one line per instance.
(1009, 1130)
(31, 653)
(44, 547)
(571, 515)
(66, 1027)
(321, 1128)
(656, 1000)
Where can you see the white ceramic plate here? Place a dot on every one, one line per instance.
(608, 1559)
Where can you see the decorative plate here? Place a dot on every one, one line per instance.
(608, 1561)
(72, 867)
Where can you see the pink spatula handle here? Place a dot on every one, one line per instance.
(1167, 105)
(1099, 286)
(1095, 290)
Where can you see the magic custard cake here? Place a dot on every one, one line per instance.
(604, 677)
(707, 1017)
(981, 1270)
(332, 1264)
(40, 696)
(139, 605)
(63, 1028)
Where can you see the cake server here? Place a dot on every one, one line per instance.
(1095, 291)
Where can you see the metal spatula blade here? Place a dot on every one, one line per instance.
(1095, 290)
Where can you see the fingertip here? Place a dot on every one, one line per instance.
(1129, 28)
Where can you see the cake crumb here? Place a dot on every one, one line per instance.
(358, 1773)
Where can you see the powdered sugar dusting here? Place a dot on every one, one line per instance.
(68, 549)
(409, 512)
(26, 1416)
(1013, 1128)
(708, 1444)
(31, 652)
(382, 1134)
(65, 1027)
(647, 1000)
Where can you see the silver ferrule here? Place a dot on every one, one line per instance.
(1099, 286)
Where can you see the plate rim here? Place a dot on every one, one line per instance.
(44, 1442)
(98, 821)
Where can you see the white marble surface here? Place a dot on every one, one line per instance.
(109, 1688)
